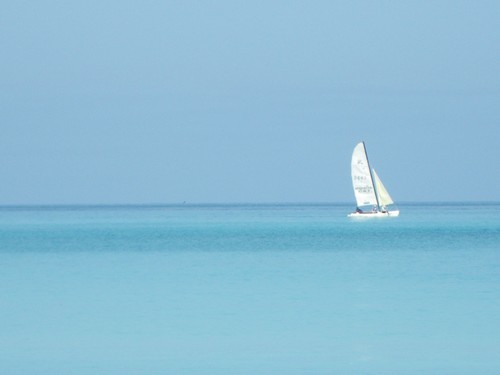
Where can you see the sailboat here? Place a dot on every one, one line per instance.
(372, 198)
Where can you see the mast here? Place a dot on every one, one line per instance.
(371, 176)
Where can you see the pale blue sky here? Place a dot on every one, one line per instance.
(247, 101)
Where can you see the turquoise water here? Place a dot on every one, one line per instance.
(249, 289)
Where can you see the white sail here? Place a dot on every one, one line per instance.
(361, 177)
(384, 198)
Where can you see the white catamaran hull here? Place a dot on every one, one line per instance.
(374, 214)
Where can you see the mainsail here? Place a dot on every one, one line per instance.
(361, 177)
(384, 198)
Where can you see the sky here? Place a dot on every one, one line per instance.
(225, 101)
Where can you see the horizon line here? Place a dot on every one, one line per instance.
(194, 204)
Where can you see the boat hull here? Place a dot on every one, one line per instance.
(374, 214)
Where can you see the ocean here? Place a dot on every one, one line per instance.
(249, 289)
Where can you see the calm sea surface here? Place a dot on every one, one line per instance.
(249, 289)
